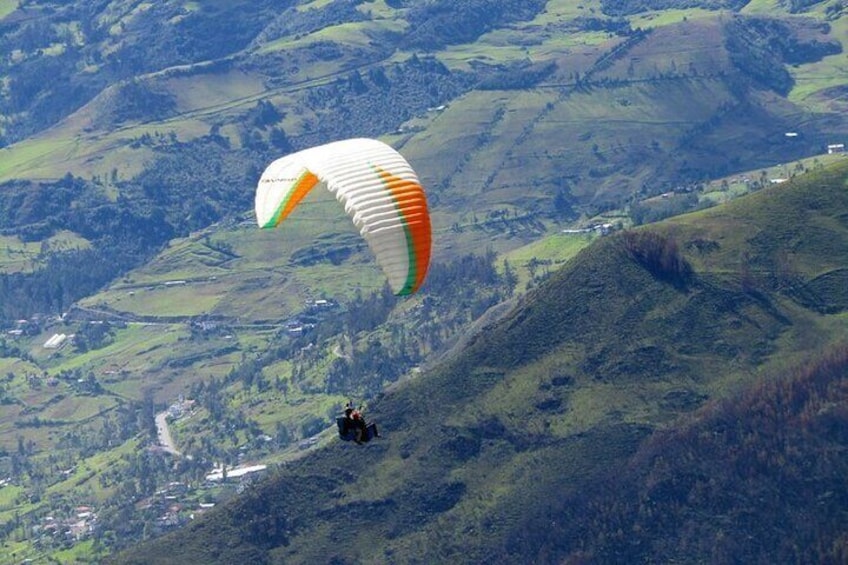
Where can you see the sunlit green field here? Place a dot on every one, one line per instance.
(24, 256)
(7, 7)
(545, 255)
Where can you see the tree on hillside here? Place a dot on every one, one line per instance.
(660, 255)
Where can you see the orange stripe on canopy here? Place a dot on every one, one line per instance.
(411, 202)
(304, 184)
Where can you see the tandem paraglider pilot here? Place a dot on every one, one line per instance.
(352, 426)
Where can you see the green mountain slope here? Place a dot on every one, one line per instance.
(131, 138)
(526, 443)
(758, 478)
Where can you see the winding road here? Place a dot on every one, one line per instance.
(164, 434)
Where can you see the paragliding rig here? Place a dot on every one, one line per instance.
(353, 427)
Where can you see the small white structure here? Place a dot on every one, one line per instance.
(235, 472)
(835, 148)
(55, 342)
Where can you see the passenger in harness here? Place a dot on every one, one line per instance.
(352, 426)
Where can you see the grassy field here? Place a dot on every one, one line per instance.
(257, 276)
(18, 256)
(545, 256)
(51, 155)
(7, 7)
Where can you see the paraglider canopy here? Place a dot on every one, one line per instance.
(379, 190)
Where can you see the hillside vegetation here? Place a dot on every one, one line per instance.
(141, 140)
(643, 403)
(134, 282)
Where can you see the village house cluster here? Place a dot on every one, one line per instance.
(77, 526)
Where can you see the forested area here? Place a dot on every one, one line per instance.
(457, 293)
(121, 235)
(754, 479)
(292, 21)
(631, 7)
(44, 87)
(45, 84)
(378, 101)
(760, 47)
(189, 186)
(446, 22)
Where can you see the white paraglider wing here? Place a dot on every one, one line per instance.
(379, 190)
